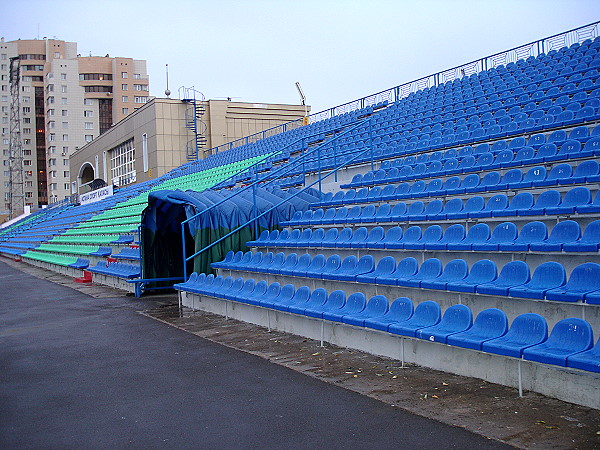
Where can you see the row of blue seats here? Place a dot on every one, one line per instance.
(129, 253)
(117, 269)
(537, 176)
(570, 344)
(549, 280)
(565, 236)
(577, 200)
(506, 159)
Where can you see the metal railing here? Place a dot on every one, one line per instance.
(392, 95)
(274, 175)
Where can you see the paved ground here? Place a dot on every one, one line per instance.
(85, 372)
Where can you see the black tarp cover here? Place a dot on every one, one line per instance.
(162, 254)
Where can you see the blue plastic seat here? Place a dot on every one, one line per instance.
(299, 299)
(377, 307)
(332, 264)
(546, 276)
(584, 279)
(514, 273)
(429, 270)
(330, 238)
(455, 271)
(355, 303)
(358, 235)
(575, 197)
(523, 201)
(288, 266)
(454, 233)
(489, 324)
(315, 269)
(385, 267)
(588, 360)
(589, 241)
(511, 178)
(530, 232)
(229, 256)
(457, 318)
(503, 233)
(317, 298)
(368, 214)
(496, 203)
(400, 310)
(568, 337)
(272, 291)
(426, 314)
(233, 290)
(473, 204)
(406, 267)
(335, 300)
(567, 231)
(533, 176)
(478, 233)
(343, 237)
(431, 234)
(547, 199)
(471, 183)
(393, 235)
(558, 172)
(265, 264)
(260, 289)
(399, 212)
(412, 234)
(482, 272)
(526, 331)
(316, 239)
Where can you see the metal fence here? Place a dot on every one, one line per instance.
(392, 95)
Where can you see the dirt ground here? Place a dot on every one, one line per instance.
(491, 410)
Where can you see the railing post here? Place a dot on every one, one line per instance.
(335, 176)
(184, 253)
(371, 142)
(255, 211)
(319, 167)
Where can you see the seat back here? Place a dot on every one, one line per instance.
(483, 271)
(377, 305)
(401, 309)
(547, 276)
(490, 322)
(533, 232)
(426, 314)
(406, 267)
(514, 273)
(572, 334)
(548, 199)
(457, 317)
(431, 268)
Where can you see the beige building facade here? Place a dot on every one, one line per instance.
(65, 101)
(159, 137)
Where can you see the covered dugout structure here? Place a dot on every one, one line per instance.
(210, 215)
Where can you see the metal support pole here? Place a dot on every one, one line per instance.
(268, 320)
(184, 253)
(520, 378)
(322, 332)
(402, 351)
(335, 175)
(319, 167)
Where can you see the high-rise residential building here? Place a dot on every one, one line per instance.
(65, 101)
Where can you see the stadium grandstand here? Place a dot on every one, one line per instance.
(452, 222)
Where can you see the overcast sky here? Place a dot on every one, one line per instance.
(255, 50)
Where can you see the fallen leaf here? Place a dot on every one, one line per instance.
(355, 376)
(551, 427)
(316, 354)
(444, 383)
(540, 422)
(395, 376)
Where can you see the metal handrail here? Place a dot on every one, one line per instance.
(394, 94)
(287, 168)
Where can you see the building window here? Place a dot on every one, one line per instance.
(124, 87)
(64, 112)
(67, 186)
(145, 151)
(137, 76)
(26, 109)
(52, 137)
(26, 152)
(26, 130)
(52, 162)
(124, 75)
(88, 113)
(89, 138)
(125, 111)
(88, 101)
(66, 174)
(95, 76)
(140, 99)
(65, 150)
(64, 100)
(50, 112)
(26, 162)
(63, 76)
(140, 87)
(51, 124)
(65, 125)
(52, 149)
(65, 162)
(89, 125)
(65, 137)
(124, 99)
(50, 100)
(122, 160)
(50, 88)
(63, 88)
(25, 99)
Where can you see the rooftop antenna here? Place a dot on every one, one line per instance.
(167, 91)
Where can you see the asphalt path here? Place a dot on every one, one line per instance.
(84, 372)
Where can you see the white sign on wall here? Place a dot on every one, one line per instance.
(95, 196)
